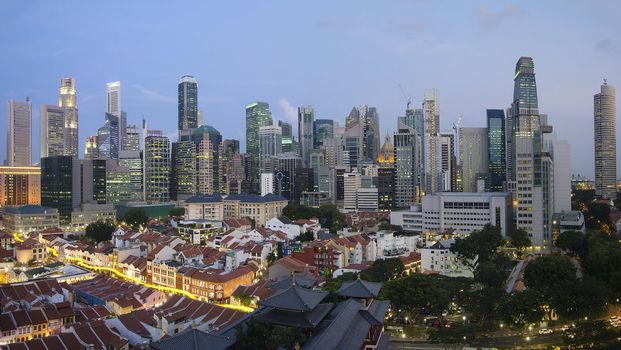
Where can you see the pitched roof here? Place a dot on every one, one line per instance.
(194, 339)
(360, 289)
(295, 298)
(302, 280)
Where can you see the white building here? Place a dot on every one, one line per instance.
(267, 183)
(438, 258)
(351, 183)
(285, 225)
(366, 199)
(459, 212)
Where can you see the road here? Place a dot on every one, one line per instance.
(507, 342)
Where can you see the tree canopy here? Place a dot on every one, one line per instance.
(520, 239)
(383, 270)
(479, 246)
(135, 217)
(329, 215)
(100, 230)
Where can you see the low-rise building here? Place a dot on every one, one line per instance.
(88, 213)
(214, 284)
(235, 206)
(438, 258)
(30, 250)
(569, 221)
(30, 218)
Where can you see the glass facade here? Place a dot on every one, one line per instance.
(497, 170)
(188, 103)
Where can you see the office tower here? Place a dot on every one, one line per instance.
(67, 183)
(431, 113)
(257, 115)
(407, 160)
(283, 184)
(448, 161)
(413, 118)
(132, 160)
(230, 146)
(118, 183)
(56, 185)
(472, 156)
(287, 136)
(51, 131)
(317, 162)
(19, 133)
(270, 143)
(333, 150)
(605, 142)
(386, 176)
(67, 101)
(302, 182)
(208, 143)
(156, 167)
(351, 183)
(353, 145)
(114, 107)
(322, 129)
(183, 169)
(530, 171)
(306, 119)
(20, 186)
(560, 151)
(364, 120)
(188, 103)
(267, 183)
(337, 191)
(108, 137)
(132, 138)
(496, 164)
(91, 149)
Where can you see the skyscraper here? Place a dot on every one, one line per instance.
(531, 171)
(322, 129)
(306, 119)
(496, 155)
(108, 137)
(407, 155)
(605, 142)
(270, 143)
(91, 150)
(156, 167)
(208, 143)
(67, 101)
(472, 156)
(51, 131)
(257, 115)
(431, 113)
(188, 103)
(287, 136)
(386, 176)
(56, 185)
(364, 120)
(448, 161)
(19, 133)
(114, 107)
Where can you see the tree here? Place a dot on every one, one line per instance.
(482, 305)
(383, 270)
(135, 217)
(602, 261)
(100, 230)
(572, 242)
(573, 300)
(305, 237)
(493, 273)
(258, 335)
(479, 246)
(546, 273)
(592, 335)
(384, 226)
(244, 298)
(520, 239)
(454, 337)
(177, 212)
(520, 309)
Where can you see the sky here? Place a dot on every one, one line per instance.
(332, 55)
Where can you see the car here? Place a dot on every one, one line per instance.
(565, 328)
(545, 331)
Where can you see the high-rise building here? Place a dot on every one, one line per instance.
(605, 142)
(183, 173)
(91, 149)
(407, 159)
(267, 183)
(51, 131)
(114, 107)
(20, 186)
(156, 167)
(333, 150)
(19, 133)
(322, 129)
(351, 183)
(496, 155)
(118, 183)
(302, 182)
(317, 162)
(531, 185)
(132, 160)
(188, 103)
(270, 143)
(257, 115)
(386, 176)
(208, 143)
(131, 141)
(287, 136)
(108, 141)
(363, 121)
(560, 151)
(306, 119)
(67, 101)
(448, 161)
(472, 156)
(431, 113)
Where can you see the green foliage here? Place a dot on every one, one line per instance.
(482, 305)
(262, 336)
(384, 226)
(572, 242)
(383, 270)
(305, 237)
(520, 239)
(519, 309)
(454, 337)
(547, 272)
(417, 291)
(329, 215)
(481, 245)
(177, 212)
(574, 300)
(135, 217)
(597, 215)
(603, 261)
(100, 230)
(334, 284)
(244, 298)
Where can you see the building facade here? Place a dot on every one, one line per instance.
(605, 122)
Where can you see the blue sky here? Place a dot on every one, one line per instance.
(330, 54)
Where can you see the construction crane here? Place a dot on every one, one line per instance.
(407, 98)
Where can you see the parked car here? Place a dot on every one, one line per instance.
(545, 331)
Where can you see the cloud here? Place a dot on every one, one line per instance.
(607, 46)
(152, 95)
(490, 19)
(290, 113)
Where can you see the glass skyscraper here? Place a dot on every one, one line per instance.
(188, 103)
(496, 155)
(322, 129)
(257, 115)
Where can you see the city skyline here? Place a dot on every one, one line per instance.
(332, 83)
